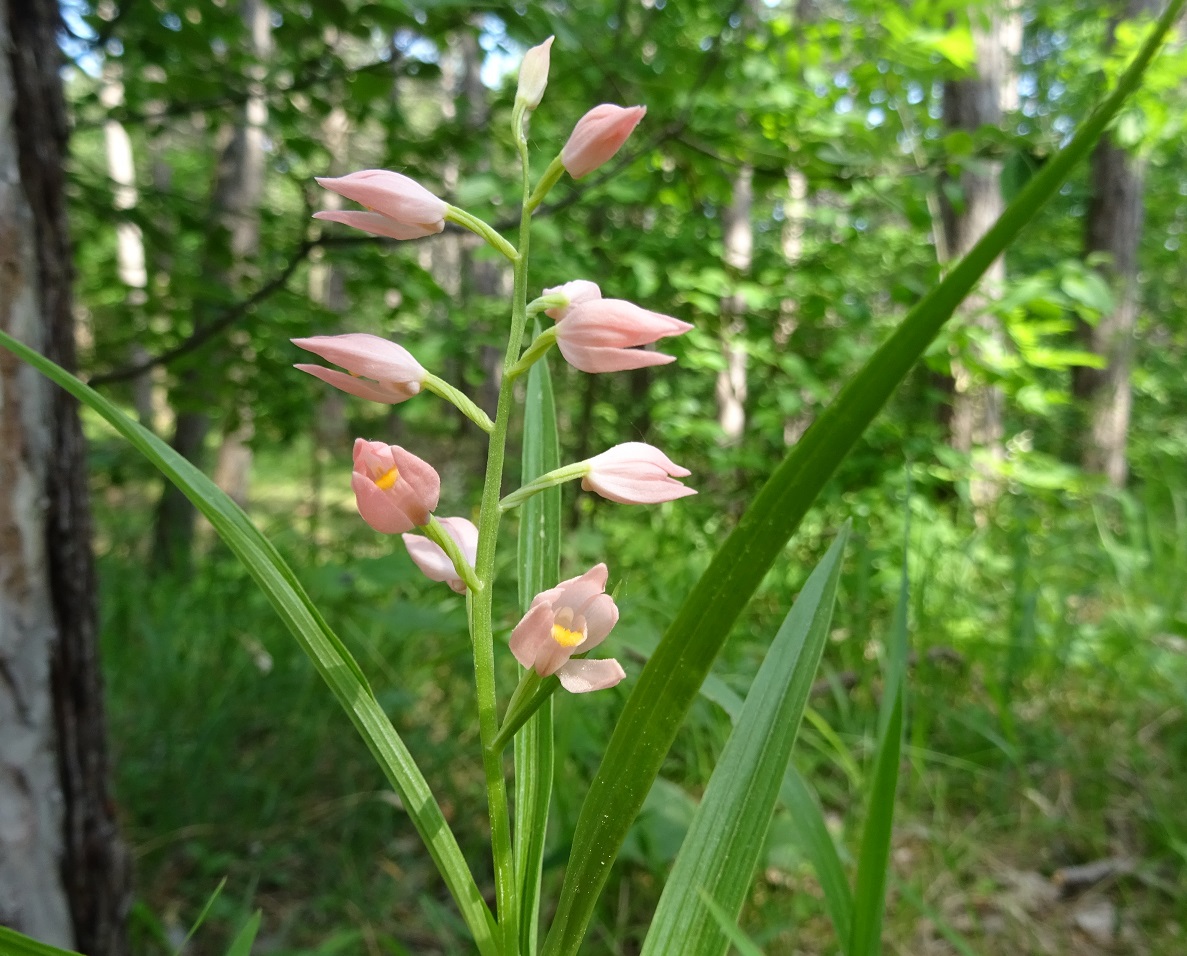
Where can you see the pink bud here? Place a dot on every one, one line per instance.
(400, 208)
(635, 473)
(395, 491)
(572, 618)
(533, 75)
(598, 136)
(434, 562)
(600, 335)
(396, 376)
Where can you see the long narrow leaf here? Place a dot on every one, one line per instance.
(244, 940)
(869, 895)
(13, 943)
(671, 679)
(722, 847)
(539, 569)
(328, 654)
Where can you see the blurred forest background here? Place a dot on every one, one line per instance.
(804, 174)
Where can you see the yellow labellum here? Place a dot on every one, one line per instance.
(388, 478)
(565, 637)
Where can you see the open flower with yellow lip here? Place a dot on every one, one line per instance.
(572, 618)
(395, 491)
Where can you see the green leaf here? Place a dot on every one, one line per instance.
(869, 894)
(242, 943)
(13, 943)
(539, 569)
(818, 845)
(672, 677)
(329, 655)
(721, 850)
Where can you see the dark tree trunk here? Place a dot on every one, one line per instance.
(64, 873)
(1114, 227)
(238, 187)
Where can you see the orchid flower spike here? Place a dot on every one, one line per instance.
(397, 207)
(597, 136)
(635, 473)
(533, 76)
(600, 335)
(572, 618)
(433, 560)
(395, 491)
(376, 369)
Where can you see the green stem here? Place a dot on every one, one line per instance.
(551, 176)
(536, 351)
(442, 538)
(550, 480)
(457, 398)
(480, 228)
(481, 625)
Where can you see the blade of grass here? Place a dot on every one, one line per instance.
(201, 916)
(721, 849)
(539, 569)
(329, 655)
(672, 677)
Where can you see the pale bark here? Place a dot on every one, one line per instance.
(63, 871)
(1114, 227)
(738, 239)
(977, 406)
(129, 241)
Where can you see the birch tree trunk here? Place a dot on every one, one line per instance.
(1114, 227)
(739, 245)
(64, 875)
(969, 104)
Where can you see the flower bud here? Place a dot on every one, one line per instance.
(395, 376)
(598, 136)
(432, 559)
(398, 207)
(601, 335)
(533, 75)
(635, 473)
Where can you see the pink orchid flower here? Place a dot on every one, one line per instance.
(601, 335)
(397, 207)
(635, 473)
(395, 491)
(572, 618)
(597, 136)
(434, 562)
(395, 376)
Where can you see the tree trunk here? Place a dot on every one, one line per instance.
(739, 244)
(64, 874)
(1114, 227)
(235, 207)
(977, 406)
(129, 242)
